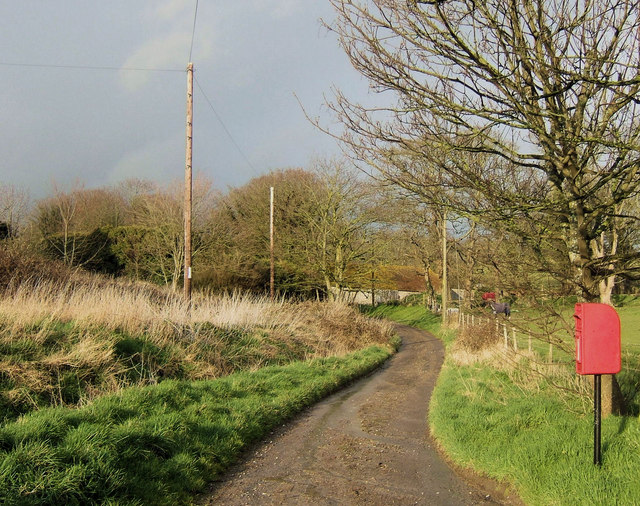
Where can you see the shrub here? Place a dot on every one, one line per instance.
(478, 337)
(18, 267)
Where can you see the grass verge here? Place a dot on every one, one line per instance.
(416, 316)
(160, 444)
(538, 440)
(520, 421)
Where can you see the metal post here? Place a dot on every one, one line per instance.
(597, 457)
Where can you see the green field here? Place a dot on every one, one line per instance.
(561, 328)
(628, 308)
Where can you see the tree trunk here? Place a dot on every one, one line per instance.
(583, 241)
(612, 400)
(606, 285)
(327, 284)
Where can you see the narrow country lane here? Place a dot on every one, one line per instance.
(367, 444)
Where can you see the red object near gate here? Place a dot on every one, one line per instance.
(489, 296)
(597, 336)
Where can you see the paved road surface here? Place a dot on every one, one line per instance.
(368, 444)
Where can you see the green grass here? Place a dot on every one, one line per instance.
(416, 316)
(160, 444)
(520, 429)
(541, 442)
(628, 308)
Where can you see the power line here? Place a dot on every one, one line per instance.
(87, 67)
(193, 31)
(225, 128)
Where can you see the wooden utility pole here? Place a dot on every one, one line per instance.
(445, 287)
(272, 289)
(188, 193)
(373, 288)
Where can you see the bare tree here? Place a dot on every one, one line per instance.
(57, 221)
(159, 212)
(544, 92)
(14, 203)
(70, 224)
(342, 208)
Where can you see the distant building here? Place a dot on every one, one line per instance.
(394, 283)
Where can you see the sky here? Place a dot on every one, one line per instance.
(73, 112)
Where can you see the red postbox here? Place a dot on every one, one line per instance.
(597, 339)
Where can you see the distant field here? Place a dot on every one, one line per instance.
(562, 327)
(628, 308)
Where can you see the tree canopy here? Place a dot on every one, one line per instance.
(527, 108)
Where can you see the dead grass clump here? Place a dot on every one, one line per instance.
(25, 375)
(477, 338)
(89, 352)
(464, 357)
(338, 328)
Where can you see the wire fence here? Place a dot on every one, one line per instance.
(517, 340)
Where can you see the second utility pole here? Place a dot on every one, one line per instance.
(445, 284)
(188, 187)
(272, 289)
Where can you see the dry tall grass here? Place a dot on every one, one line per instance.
(68, 341)
(137, 309)
(480, 344)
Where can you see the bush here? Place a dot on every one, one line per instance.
(17, 266)
(90, 250)
(478, 337)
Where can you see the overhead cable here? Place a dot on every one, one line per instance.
(87, 67)
(225, 128)
(193, 31)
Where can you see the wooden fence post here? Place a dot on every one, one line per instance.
(515, 340)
